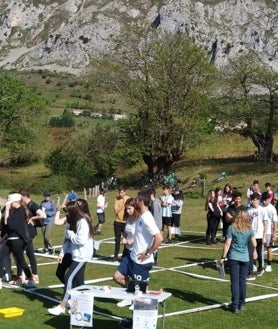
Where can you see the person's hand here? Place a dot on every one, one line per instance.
(60, 259)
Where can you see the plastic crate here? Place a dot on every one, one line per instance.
(11, 312)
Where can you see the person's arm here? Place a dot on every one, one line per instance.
(40, 214)
(226, 248)
(59, 221)
(274, 229)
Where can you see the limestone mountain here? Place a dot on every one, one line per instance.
(64, 35)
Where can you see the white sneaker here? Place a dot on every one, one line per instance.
(56, 310)
(124, 303)
(268, 268)
(131, 307)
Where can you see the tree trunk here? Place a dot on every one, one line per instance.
(264, 144)
(159, 166)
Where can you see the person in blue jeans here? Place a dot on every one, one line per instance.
(236, 250)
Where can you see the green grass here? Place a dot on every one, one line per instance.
(188, 292)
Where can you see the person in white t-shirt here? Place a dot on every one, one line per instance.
(272, 227)
(147, 239)
(259, 221)
(101, 205)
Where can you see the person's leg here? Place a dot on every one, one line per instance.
(47, 237)
(260, 248)
(234, 276)
(117, 233)
(43, 228)
(121, 274)
(63, 267)
(17, 249)
(243, 271)
(32, 258)
(72, 274)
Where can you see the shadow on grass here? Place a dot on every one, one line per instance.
(191, 297)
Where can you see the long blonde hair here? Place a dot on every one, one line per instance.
(242, 221)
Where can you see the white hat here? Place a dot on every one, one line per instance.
(14, 197)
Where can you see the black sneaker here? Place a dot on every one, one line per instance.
(260, 272)
(51, 251)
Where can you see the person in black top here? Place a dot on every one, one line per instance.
(34, 214)
(17, 235)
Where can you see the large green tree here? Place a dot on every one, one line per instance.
(249, 102)
(168, 82)
(21, 113)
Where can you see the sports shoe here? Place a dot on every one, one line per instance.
(31, 283)
(251, 277)
(56, 310)
(51, 251)
(35, 278)
(124, 302)
(268, 268)
(260, 272)
(17, 281)
(131, 307)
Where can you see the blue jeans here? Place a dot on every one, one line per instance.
(238, 274)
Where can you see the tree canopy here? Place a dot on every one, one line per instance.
(21, 111)
(168, 81)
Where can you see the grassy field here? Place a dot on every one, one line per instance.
(186, 269)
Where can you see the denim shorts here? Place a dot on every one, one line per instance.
(136, 271)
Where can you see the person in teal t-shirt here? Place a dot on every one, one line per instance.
(236, 250)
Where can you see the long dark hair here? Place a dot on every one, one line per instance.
(75, 213)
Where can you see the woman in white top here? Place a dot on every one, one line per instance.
(101, 205)
(80, 235)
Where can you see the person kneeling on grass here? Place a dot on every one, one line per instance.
(80, 236)
(147, 238)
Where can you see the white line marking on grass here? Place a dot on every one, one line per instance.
(210, 307)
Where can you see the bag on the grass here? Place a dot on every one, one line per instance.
(133, 283)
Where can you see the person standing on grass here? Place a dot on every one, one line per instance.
(214, 213)
(259, 221)
(101, 205)
(34, 215)
(119, 222)
(255, 188)
(65, 258)
(166, 201)
(176, 209)
(48, 206)
(271, 229)
(227, 197)
(239, 234)
(234, 208)
(80, 237)
(156, 211)
(17, 238)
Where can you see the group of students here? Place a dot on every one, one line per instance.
(20, 218)
(248, 230)
(166, 211)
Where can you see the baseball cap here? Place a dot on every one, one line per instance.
(72, 196)
(13, 198)
(46, 193)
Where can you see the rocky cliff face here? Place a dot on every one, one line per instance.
(63, 35)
